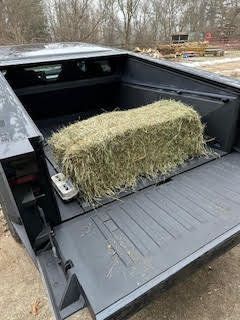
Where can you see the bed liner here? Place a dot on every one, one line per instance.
(79, 206)
(127, 247)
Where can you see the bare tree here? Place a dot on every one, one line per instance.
(22, 21)
(110, 26)
(143, 27)
(114, 22)
(128, 10)
(75, 20)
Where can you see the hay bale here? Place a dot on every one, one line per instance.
(112, 151)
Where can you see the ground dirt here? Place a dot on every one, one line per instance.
(230, 69)
(212, 293)
(229, 65)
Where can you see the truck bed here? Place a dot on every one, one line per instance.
(50, 125)
(129, 247)
(79, 206)
(116, 257)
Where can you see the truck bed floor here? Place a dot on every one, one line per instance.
(128, 247)
(50, 125)
(69, 210)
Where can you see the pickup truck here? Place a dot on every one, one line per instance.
(117, 257)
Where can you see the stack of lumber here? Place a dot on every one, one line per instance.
(180, 48)
(175, 50)
(152, 52)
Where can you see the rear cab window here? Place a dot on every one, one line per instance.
(71, 70)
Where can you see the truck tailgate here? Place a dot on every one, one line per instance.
(123, 250)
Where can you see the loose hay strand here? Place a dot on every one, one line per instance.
(108, 153)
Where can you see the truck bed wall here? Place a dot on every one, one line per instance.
(141, 83)
(68, 101)
(219, 117)
(144, 82)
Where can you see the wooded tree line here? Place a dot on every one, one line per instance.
(114, 22)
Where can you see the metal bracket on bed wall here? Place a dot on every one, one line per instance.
(72, 293)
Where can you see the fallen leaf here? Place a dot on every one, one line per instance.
(36, 307)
